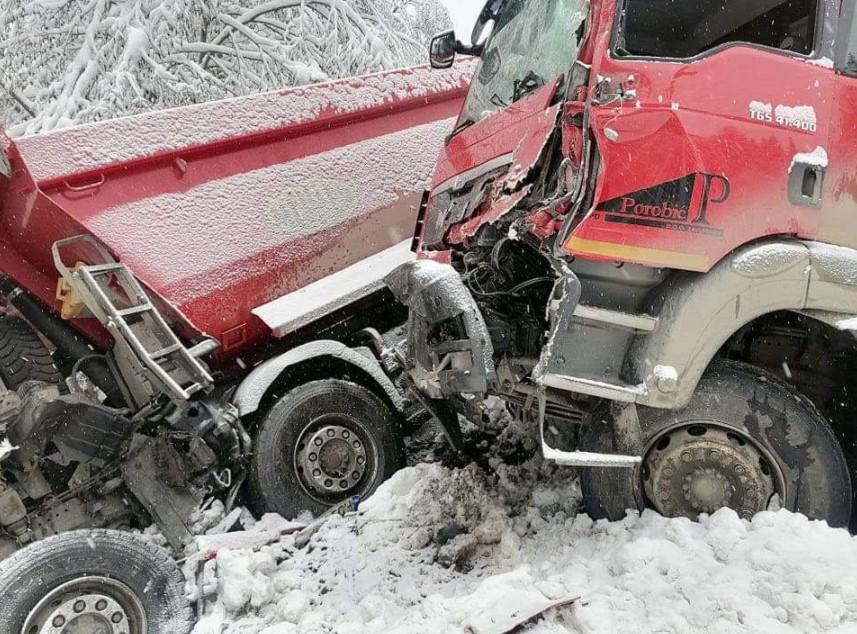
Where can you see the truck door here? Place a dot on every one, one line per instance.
(838, 223)
(710, 119)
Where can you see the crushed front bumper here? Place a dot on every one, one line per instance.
(449, 350)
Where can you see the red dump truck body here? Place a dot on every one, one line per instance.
(220, 209)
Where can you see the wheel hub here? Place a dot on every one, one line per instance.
(92, 605)
(332, 460)
(701, 468)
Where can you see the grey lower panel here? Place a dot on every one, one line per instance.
(169, 504)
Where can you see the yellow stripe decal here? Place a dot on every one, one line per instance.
(669, 259)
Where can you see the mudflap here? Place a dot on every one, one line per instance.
(449, 350)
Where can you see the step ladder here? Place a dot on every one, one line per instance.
(114, 296)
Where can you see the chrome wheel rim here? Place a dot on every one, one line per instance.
(89, 605)
(699, 467)
(334, 458)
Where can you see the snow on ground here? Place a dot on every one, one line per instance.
(472, 550)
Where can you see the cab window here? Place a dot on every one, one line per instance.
(687, 28)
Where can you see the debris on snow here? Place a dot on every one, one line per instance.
(526, 546)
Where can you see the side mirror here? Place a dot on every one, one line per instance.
(443, 49)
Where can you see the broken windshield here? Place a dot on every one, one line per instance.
(533, 43)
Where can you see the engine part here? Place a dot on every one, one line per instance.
(82, 431)
(154, 472)
(13, 513)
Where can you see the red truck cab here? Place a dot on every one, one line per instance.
(642, 216)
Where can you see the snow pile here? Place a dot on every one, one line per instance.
(474, 550)
(68, 62)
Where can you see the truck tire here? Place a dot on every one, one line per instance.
(95, 580)
(23, 356)
(745, 437)
(321, 443)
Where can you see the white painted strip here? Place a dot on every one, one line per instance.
(299, 308)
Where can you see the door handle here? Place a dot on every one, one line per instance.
(806, 183)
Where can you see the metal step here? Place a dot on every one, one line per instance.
(612, 391)
(637, 323)
(587, 459)
(136, 310)
(104, 269)
(165, 352)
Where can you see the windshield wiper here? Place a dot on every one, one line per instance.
(461, 127)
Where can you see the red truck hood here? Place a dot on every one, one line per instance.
(504, 133)
(483, 171)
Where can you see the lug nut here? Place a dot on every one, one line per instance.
(117, 617)
(79, 606)
(101, 605)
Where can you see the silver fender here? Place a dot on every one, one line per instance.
(253, 388)
(698, 313)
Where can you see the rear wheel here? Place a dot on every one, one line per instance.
(745, 438)
(23, 356)
(93, 581)
(321, 443)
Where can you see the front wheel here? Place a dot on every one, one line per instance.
(93, 581)
(322, 443)
(745, 439)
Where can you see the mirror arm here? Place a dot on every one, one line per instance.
(463, 49)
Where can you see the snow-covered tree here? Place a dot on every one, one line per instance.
(73, 61)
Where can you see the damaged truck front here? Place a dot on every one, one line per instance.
(640, 236)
